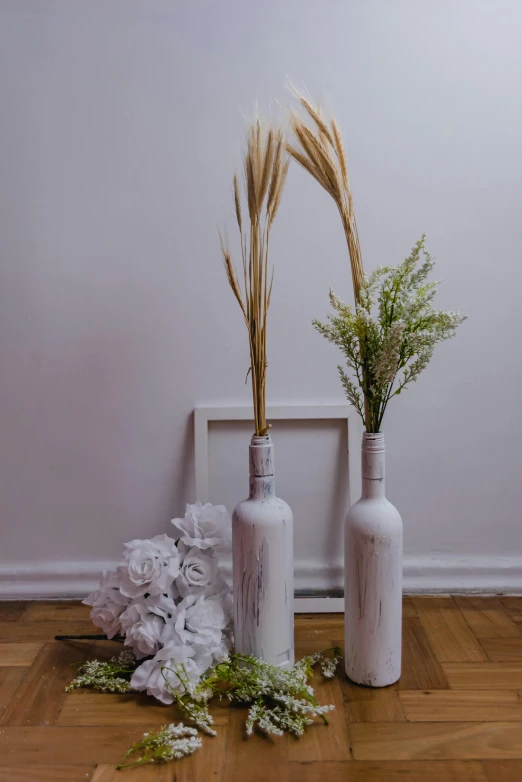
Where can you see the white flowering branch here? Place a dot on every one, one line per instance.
(279, 700)
(191, 699)
(170, 743)
(394, 329)
(111, 676)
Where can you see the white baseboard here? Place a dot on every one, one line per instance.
(422, 575)
(53, 580)
(471, 575)
(430, 575)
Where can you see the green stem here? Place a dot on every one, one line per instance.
(140, 762)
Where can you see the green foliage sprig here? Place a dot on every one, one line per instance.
(394, 329)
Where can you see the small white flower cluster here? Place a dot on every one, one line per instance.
(106, 676)
(391, 336)
(175, 741)
(170, 600)
(292, 717)
(329, 668)
(195, 708)
(170, 743)
(328, 664)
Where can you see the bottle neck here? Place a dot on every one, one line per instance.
(262, 481)
(373, 472)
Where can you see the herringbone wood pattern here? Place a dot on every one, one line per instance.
(455, 716)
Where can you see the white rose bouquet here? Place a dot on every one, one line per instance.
(170, 601)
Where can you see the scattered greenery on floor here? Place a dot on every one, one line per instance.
(111, 676)
(279, 701)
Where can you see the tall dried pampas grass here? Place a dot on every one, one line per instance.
(265, 167)
(319, 149)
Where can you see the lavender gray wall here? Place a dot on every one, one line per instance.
(121, 123)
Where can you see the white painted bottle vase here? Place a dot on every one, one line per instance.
(373, 577)
(263, 565)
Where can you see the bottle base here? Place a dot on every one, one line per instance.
(371, 680)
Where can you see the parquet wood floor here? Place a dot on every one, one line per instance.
(455, 716)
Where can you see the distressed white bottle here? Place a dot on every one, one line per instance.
(373, 577)
(263, 565)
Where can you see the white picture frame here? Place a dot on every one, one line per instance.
(205, 415)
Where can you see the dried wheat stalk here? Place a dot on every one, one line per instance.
(319, 149)
(265, 167)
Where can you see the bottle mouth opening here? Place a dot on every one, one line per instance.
(373, 441)
(264, 439)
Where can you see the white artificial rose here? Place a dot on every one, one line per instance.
(153, 675)
(170, 637)
(221, 652)
(107, 604)
(204, 526)
(208, 654)
(106, 615)
(198, 570)
(203, 656)
(142, 629)
(149, 566)
(110, 583)
(223, 591)
(200, 620)
(162, 605)
(205, 630)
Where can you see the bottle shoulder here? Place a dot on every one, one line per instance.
(372, 513)
(271, 509)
